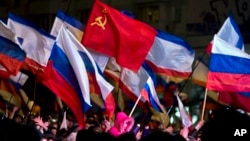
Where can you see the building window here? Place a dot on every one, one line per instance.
(151, 14)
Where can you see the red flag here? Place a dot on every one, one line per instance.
(110, 32)
(236, 100)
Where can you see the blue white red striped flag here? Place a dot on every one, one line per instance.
(66, 75)
(228, 68)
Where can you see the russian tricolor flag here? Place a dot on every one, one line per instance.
(66, 75)
(140, 83)
(229, 68)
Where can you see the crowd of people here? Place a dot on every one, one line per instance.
(223, 124)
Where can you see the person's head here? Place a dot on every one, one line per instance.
(12, 131)
(122, 124)
(154, 124)
(127, 137)
(224, 124)
(70, 121)
(18, 118)
(89, 135)
(53, 128)
(162, 136)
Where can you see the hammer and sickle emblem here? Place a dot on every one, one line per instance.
(98, 21)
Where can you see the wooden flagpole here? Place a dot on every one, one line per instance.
(204, 105)
(139, 97)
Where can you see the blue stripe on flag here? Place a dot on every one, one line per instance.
(64, 68)
(11, 49)
(229, 64)
(70, 20)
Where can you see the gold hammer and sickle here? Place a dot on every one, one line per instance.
(98, 21)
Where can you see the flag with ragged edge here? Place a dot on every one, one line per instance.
(11, 54)
(128, 36)
(36, 43)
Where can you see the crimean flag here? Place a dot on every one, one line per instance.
(36, 43)
(110, 32)
(11, 54)
(171, 56)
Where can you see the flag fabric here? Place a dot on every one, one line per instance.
(140, 83)
(171, 56)
(235, 100)
(64, 122)
(185, 117)
(110, 32)
(34, 41)
(132, 83)
(4, 73)
(66, 75)
(72, 24)
(19, 79)
(149, 93)
(227, 68)
(8, 33)
(11, 55)
(230, 33)
(114, 77)
(9, 93)
(199, 75)
(99, 81)
(77, 29)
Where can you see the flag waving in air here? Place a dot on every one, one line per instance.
(228, 68)
(11, 55)
(229, 32)
(77, 29)
(34, 41)
(66, 75)
(110, 32)
(171, 56)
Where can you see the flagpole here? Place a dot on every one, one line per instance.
(186, 81)
(204, 105)
(166, 115)
(139, 97)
